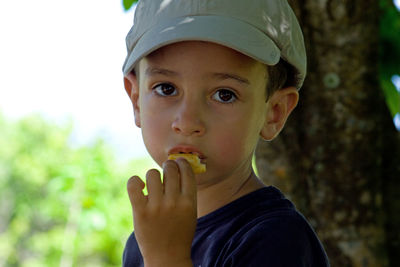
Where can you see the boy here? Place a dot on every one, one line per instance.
(209, 77)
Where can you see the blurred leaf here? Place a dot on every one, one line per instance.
(127, 4)
(391, 95)
(389, 53)
(389, 38)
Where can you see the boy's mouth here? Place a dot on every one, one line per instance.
(187, 150)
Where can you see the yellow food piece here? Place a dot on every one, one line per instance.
(193, 160)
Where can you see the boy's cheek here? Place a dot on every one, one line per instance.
(234, 144)
(228, 148)
(155, 140)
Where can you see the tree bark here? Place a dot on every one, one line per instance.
(336, 157)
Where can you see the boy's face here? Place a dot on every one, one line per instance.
(201, 97)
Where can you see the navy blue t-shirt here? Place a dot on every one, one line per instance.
(262, 228)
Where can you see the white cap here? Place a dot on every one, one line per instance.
(265, 30)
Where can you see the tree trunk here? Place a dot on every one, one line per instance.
(336, 157)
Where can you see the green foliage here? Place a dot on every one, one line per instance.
(127, 4)
(392, 96)
(389, 38)
(389, 52)
(61, 206)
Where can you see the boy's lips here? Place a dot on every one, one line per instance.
(188, 150)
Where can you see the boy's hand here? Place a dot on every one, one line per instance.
(165, 220)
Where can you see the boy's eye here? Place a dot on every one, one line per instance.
(165, 89)
(225, 96)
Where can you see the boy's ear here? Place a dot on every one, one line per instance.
(279, 107)
(132, 89)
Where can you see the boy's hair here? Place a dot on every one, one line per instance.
(280, 76)
(265, 30)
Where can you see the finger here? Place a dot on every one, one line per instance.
(188, 181)
(154, 186)
(171, 178)
(135, 187)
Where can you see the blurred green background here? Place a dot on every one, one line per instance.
(66, 205)
(61, 206)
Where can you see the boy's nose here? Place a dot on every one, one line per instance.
(188, 121)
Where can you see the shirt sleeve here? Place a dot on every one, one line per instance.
(132, 256)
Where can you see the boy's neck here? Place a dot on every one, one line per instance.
(216, 196)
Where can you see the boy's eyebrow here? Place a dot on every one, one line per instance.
(154, 71)
(225, 76)
(218, 75)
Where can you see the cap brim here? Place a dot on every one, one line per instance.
(226, 31)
